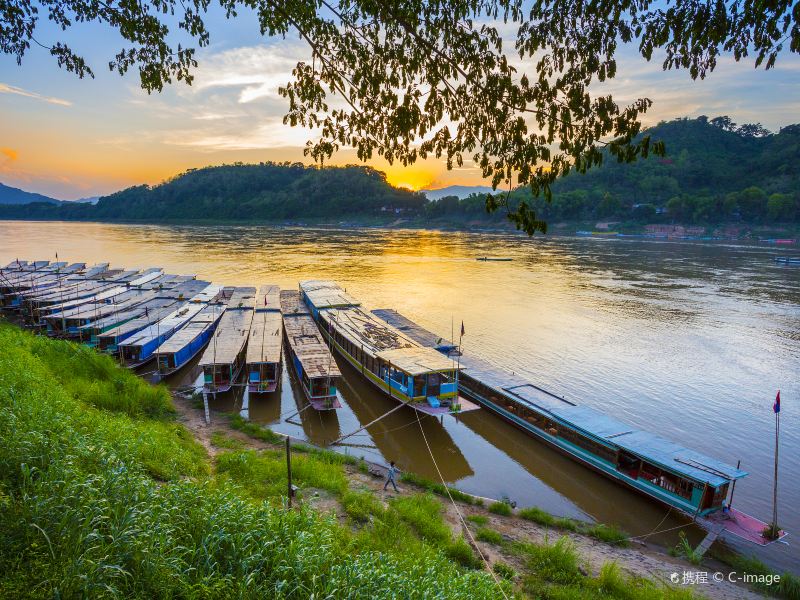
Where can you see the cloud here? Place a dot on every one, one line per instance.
(255, 71)
(11, 155)
(242, 134)
(10, 89)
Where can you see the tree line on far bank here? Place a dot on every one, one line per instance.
(714, 172)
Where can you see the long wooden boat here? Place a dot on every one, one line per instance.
(140, 348)
(265, 342)
(91, 332)
(408, 372)
(68, 323)
(196, 291)
(184, 345)
(314, 365)
(693, 483)
(224, 356)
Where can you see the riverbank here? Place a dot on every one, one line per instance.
(110, 486)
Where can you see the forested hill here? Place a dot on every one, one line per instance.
(239, 192)
(714, 172)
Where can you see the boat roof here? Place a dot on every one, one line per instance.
(230, 336)
(326, 294)
(292, 303)
(174, 319)
(307, 344)
(419, 334)
(146, 276)
(195, 290)
(123, 301)
(242, 298)
(200, 322)
(417, 360)
(129, 312)
(606, 429)
(269, 298)
(153, 315)
(266, 335)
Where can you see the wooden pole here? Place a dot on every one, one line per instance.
(775, 486)
(289, 469)
(733, 487)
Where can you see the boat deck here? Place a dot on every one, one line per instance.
(306, 340)
(199, 323)
(232, 330)
(743, 526)
(266, 337)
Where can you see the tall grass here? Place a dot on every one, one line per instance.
(611, 534)
(81, 514)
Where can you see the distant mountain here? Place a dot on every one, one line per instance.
(11, 195)
(459, 191)
(88, 200)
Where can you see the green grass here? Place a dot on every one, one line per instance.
(611, 534)
(108, 497)
(437, 488)
(491, 536)
(500, 508)
(361, 506)
(220, 440)
(478, 519)
(256, 431)
(787, 587)
(503, 570)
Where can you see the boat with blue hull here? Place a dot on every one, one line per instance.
(312, 361)
(109, 341)
(400, 367)
(140, 348)
(184, 345)
(224, 357)
(681, 478)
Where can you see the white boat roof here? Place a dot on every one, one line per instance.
(266, 335)
(200, 322)
(292, 303)
(417, 360)
(269, 298)
(325, 294)
(172, 321)
(229, 338)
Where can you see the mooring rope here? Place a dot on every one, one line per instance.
(458, 511)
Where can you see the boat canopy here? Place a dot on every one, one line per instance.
(417, 360)
(414, 331)
(327, 294)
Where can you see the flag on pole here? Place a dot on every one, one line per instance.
(777, 406)
(462, 329)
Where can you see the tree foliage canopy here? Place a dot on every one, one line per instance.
(439, 78)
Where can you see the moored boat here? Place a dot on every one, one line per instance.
(224, 356)
(187, 343)
(140, 348)
(263, 360)
(316, 369)
(681, 478)
(408, 372)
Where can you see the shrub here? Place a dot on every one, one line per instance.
(611, 534)
(537, 515)
(500, 508)
(461, 552)
(220, 440)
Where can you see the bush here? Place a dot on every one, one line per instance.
(500, 508)
(537, 515)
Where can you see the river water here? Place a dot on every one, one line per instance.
(689, 340)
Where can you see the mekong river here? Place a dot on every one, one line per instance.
(688, 340)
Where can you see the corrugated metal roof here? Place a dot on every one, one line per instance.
(327, 294)
(417, 360)
(415, 332)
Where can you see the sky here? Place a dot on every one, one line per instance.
(71, 138)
